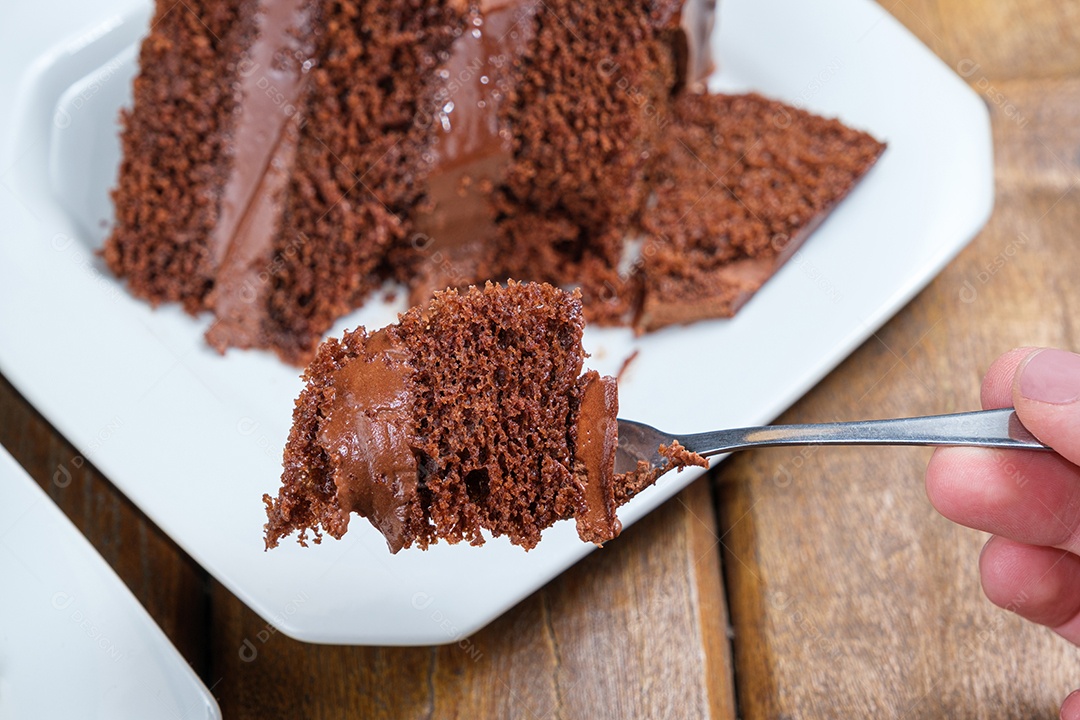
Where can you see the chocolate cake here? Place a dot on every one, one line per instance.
(740, 183)
(270, 158)
(471, 414)
(285, 158)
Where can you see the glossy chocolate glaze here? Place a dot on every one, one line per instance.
(271, 76)
(696, 23)
(471, 146)
(366, 437)
(471, 149)
(244, 275)
(597, 440)
(269, 81)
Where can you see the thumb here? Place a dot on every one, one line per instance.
(1046, 395)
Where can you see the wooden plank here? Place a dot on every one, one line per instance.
(169, 584)
(849, 596)
(638, 629)
(652, 605)
(997, 41)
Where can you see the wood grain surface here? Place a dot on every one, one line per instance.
(848, 595)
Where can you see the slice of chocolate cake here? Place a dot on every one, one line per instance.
(272, 156)
(592, 105)
(737, 183)
(741, 181)
(284, 158)
(176, 151)
(471, 414)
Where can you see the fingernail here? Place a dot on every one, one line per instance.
(1051, 376)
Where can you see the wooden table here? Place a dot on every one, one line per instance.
(788, 583)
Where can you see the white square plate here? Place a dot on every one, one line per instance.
(74, 641)
(195, 439)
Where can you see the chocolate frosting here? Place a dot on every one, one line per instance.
(696, 23)
(597, 440)
(243, 280)
(366, 438)
(270, 79)
(271, 76)
(471, 148)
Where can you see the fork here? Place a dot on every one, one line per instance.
(984, 428)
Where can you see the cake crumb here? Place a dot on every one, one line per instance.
(679, 457)
(626, 364)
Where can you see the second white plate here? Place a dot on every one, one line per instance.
(74, 641)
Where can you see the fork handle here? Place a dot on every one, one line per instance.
(984, 428)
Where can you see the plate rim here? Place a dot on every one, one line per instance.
(981, 208)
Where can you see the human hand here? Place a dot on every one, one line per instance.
(1029, 501)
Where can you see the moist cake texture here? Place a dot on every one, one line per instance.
(285, 158)
(471, 414)
(741, 183)
(173, 143)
